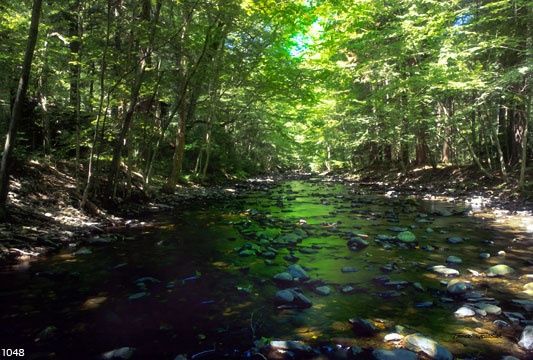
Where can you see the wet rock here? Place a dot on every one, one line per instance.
(389, 294)
(246, 252)
(393, 337)
(363, 327)
(464, 311)
(307, 250)
(47, 333)
(396, 354)
(291, 258)
(297, 272)
(514, 317)
(406, 237)
(348, 269)
(290, 345)
(382, 237)
(442, 212)
(502, 253)
(381, 279)
(418, 286)
(455, 240)
(527, 305)
(283, 277)
(292, 297)
(424, 304)
(420, 343)
(138, 295)
(323, 290)
(121, 353)
(501, 324)
(285, 296)
(500, 270)
(428, 248)
(484, 255)
(389, 267)
(454, 259)
(83, 251)
(357, 243)
(346, 289)
(443, 270)
(528, 289)
(526, 339)
(99, 240)
(398, 284)
(457, 287)
(268, 254)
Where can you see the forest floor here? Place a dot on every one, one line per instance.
(44, 212)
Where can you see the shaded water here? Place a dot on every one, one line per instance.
(201, 294)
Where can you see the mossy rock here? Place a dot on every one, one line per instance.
(406, 237)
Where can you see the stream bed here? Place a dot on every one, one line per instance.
(293, 262)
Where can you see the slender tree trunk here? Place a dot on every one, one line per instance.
(103, 68)
(498, 146)
(17, 106)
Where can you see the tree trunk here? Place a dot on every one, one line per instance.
(498, 146)
(17, 105)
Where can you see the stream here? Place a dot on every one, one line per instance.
(211, 282)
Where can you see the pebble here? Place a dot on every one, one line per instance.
(464, 311)
(454, 259)
(323, 290)
(526, 339)
(396, 354)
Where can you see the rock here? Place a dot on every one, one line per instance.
(501, 324)
(526, 340)
(500, 270)
(527, 305)
(443, 270)
(83, 251)
(323, 290)
(418, 286)
(99, 240)
(292, 297)
(420, 343)
(502, 253)
(285, 296)
(397, 229)
(454, 259)
(363, 327)
(489, 308)
(138, 295)
(296, 346)
(389, 294)
(247, 252)
(484, 255)
(396, 354)
(268, 254)
(455, 240)
(283, 277)
(514, 317)
(393, 337)
(528, 289)
(121, 353)
(357, 243)
(509, 357)
(406, 237)
(47, 333)
(442, 212)
(457, 287)
(398, 284)
(424, 304)
(348, 269)
(298, 273)
(346, 289)
(464, 311)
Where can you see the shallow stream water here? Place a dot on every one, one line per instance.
(183, 286)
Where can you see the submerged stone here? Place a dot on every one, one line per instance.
(283, 277)
(297, 272)
(396, 354)
(455, 240)
(406, 237)
(121, 353)
(291, 345)
(323, 290)
(454, 259)
(457, 287)
(348, 269)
